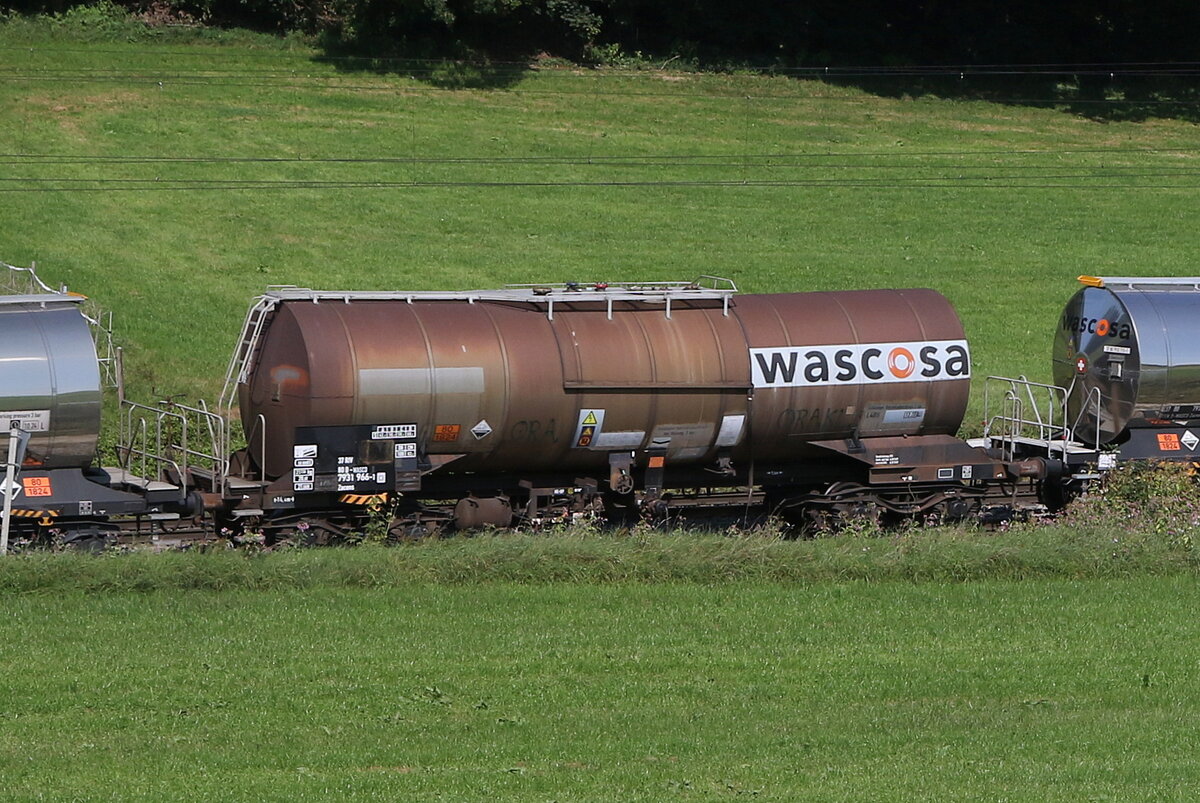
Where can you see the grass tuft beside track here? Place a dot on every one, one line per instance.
(940, 555)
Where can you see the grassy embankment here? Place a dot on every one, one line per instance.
(174, 182)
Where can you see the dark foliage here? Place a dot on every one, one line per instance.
(799, 33)
(925, 32)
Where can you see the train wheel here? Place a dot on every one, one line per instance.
(655, 510)
(961, 509)
(418, 527)
(621, 510)
(300, 530)
(93, 540)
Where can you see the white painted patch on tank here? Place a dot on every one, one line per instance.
(609, 441)
(419, 381)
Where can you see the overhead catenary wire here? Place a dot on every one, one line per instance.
(976, 168)
(303, 75)
(1021, 160)
(777, 159)
(201, 185)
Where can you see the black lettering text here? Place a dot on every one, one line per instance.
(779, 365)
(817, 369)
(929, 359)
(841, 358)
(957, 364)
(868, 371)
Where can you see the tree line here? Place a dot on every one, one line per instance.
(761, 33)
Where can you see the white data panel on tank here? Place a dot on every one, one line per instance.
(28, 420)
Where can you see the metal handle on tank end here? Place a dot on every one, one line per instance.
(17, 441)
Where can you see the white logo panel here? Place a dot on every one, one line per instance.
(859, 364)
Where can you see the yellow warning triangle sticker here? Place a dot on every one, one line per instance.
(591, 419)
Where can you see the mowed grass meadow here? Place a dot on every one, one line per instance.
(1047, 691)
(172, 181)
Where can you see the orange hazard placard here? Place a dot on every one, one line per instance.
(37, 486)
(1168, 442)
(446, 432)
(585, 436)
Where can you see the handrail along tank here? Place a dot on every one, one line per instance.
(1128, 352)
(527, 379)
(50, 378)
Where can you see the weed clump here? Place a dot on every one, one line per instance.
(1140, 520)
(1141, 509)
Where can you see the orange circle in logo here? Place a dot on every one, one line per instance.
(1102, 327)
(901, 362)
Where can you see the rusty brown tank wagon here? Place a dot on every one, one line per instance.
(563, 396)
(534, 404)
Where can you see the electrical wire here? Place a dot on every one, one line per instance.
(974, 169)
(1055, 182)
(1010, 168)
(413, 70)
(775, 160)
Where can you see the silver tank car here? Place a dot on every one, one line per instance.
(50, 378)
(555, 378)
(1128, 352)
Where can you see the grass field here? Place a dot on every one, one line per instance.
(173, 181)
(1040, 690)
(1038, 664)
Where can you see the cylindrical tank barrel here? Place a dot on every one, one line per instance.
(520, 386)
(49, 379)
(1128, 352)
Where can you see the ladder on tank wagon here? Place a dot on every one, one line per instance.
(247, 348)
(705, 288)
(1033, 418)
(258, 317)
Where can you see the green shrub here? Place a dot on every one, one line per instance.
(103, 21)
(1142, 505)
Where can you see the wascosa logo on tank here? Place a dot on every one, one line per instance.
(861, 364)
(1097, 326)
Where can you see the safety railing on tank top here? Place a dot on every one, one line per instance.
(16, 280)
(1034, 414)
(1091, 409)
(174, 443)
